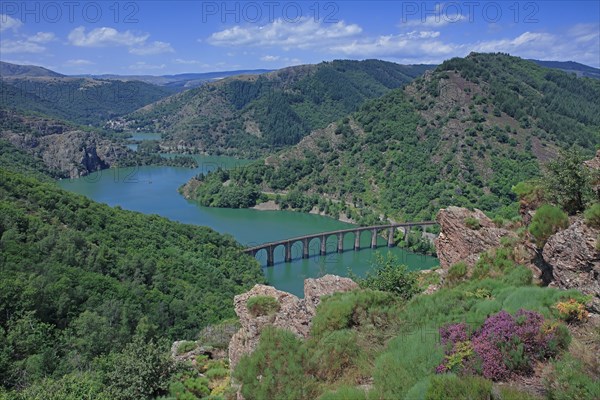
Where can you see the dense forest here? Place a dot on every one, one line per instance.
(462, 135)
(251, 115)
(87, 290)
(83, 101)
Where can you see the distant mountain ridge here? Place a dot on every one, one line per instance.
(572, 67)
(254, 114)
(8, 70)
(461, 135)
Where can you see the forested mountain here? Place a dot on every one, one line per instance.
(179, 81)
(8, 70)
(461, 135)
(87, 290)
(571, 67)
(82, 101)
(250, 115)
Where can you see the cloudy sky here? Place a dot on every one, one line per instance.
(155, 37)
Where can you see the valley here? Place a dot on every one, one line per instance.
(133, 194)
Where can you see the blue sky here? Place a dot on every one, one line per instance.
(159, 37)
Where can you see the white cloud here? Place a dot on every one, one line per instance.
(20, 46)
(142, 66)
(415, 43)
(152, 49)
(581, 43)
(104, 36)
(306, 33)
(26, 44)
(42, 37)
(8, 22)
(188, 62)
(269, 58)
(78, 63)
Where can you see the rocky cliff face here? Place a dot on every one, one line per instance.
(68, 152)
(464, 235)
(574, 260)
(294, 315)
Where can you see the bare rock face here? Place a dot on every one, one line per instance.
(459, 242)
(575, 261)
(294, 315)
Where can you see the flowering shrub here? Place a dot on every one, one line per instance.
(504, 345)
(572, 311)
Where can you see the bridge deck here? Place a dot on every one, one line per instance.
(253, 249)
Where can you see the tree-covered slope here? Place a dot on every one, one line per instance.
(461, 135)
(79, 279)
(82, 101)
(252, 114)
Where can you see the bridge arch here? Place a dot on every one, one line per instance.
(323, 238)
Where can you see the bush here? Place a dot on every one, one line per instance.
(547, 221)
(262, 305)
(390, 276)
(472, 223)
(592, 215)
(279, 360)
(568, 380)
(186, 347)
(572, 311)
(457, 272)
(444, 387)
(504, 345)
(345, 393)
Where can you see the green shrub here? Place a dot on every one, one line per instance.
(390, 276)
(345, 393)
(547, 220)
(448, 386)
(529, 191)
(216, 373)
(364, 309)
(592, 215)
(457, 272)
(334, 355)
(510, 393)
(262, 305)
(186, 347)
(472, 223)
(279, 360)
(568, 380)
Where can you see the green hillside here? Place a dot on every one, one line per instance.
(462, 135)
(82, 101)
(82, 282)
(253, 114)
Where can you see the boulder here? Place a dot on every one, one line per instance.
(459, 241)
(294, 314)
(574, 260)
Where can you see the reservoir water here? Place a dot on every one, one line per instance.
(153, 190)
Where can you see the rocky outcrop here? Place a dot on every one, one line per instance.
(71, 154)
(574, 260)
(464, 235)
(294, 314)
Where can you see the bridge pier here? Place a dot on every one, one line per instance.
(270, 256)
(305, 248)
(305, 240)
(288, 252)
